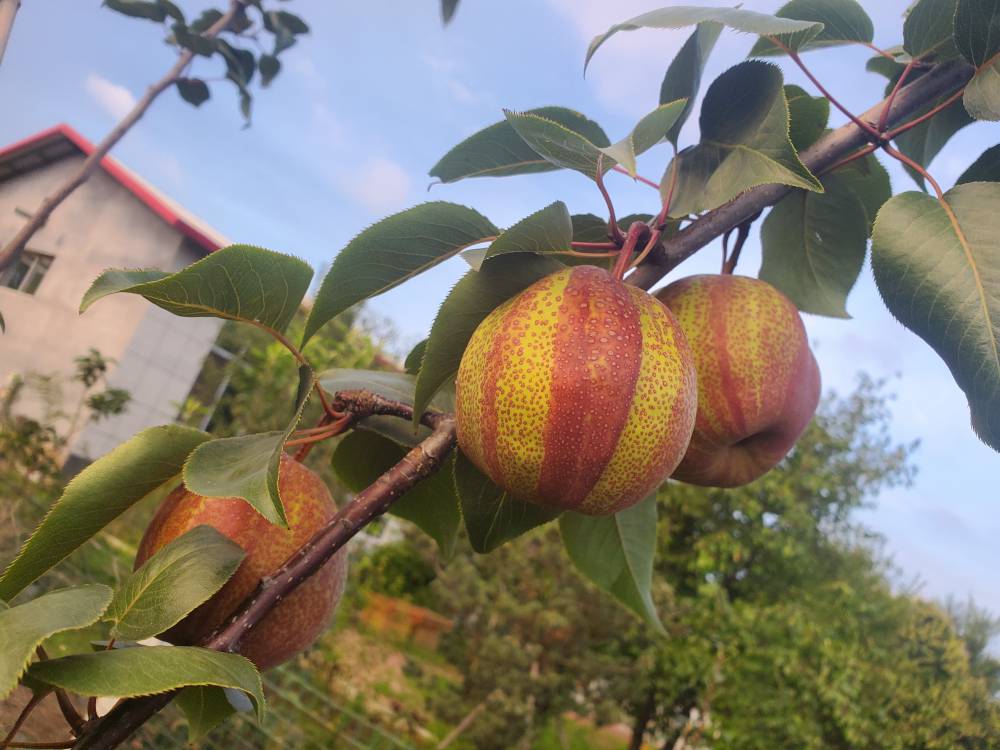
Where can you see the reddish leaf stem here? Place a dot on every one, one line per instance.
(30, 706)
(916, 168)
(613, 230)
(594, 245)
(868, 128)
(926, 116)
(43, 745)
(851, 157)
(638, 177)
(635, 232)
(884, 117)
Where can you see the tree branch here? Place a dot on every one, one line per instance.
(8, 9)
(942, 80)
(368, 504)
(12, 251)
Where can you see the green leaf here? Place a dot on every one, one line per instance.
(982, 94)
(204, 707)
(498, 151)
(206, 20)
(362, 457)
(589, 228)
(616, 553)
(148, 9)
(474, 297)
(172, 583)
(545, 231)
(793, 33)
(814, 247)
(240, 63)
(146, 670)
(559, 145)
(807, 115)
(393, 385)
(744, 142)
(649, 131)
(938, 270)
(844, 22)
(275, 19)
(414, 359)
(239, 282)
(929, 29)
(270, 66)
(869, 180)
(187, 39)
(683, 77)
(977, 30)
(193, 90)
(984, 169)
(244, 466)
(395, 250)
(24, 627)
(99, 494)
(171, 10)
(492, 517)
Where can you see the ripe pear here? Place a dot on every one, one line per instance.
(577, 394)
(758, 382)
(295, 622)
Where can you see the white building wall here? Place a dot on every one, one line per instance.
(102, 225)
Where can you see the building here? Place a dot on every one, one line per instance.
(114, 220)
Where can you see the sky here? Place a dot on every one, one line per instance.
(379, 91)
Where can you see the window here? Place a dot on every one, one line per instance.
(27, 273)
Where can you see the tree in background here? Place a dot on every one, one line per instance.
(783, 630)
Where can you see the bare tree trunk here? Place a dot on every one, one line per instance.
(642, 721)
(8, 9)
(12, 251)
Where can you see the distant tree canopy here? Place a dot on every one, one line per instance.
(783, 630)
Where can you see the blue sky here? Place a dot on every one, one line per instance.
(369, 101)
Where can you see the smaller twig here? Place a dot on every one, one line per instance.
(638, 177)
(594, 245)
(575, 254)
(92, 708)
(884, 117)
(742, 232)
(848, 159)
(69, 712)
(881, 51)
(635, 233)
(44, 745)
(916, 168)
(661, 218)
(36, 698)
(926, 116)
(725, 250)
(613, 230)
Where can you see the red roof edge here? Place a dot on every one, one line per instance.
(126, 178)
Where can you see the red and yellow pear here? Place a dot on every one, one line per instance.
(296, 621)
(758, 383)
(577, 394)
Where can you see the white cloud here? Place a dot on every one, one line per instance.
(116, 100)
(380, 185)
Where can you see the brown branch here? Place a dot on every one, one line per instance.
(12, 251)
(66, 706)
(30, 706)
(367, 505)
(942, 80)
(43, 745)
(8, 9)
